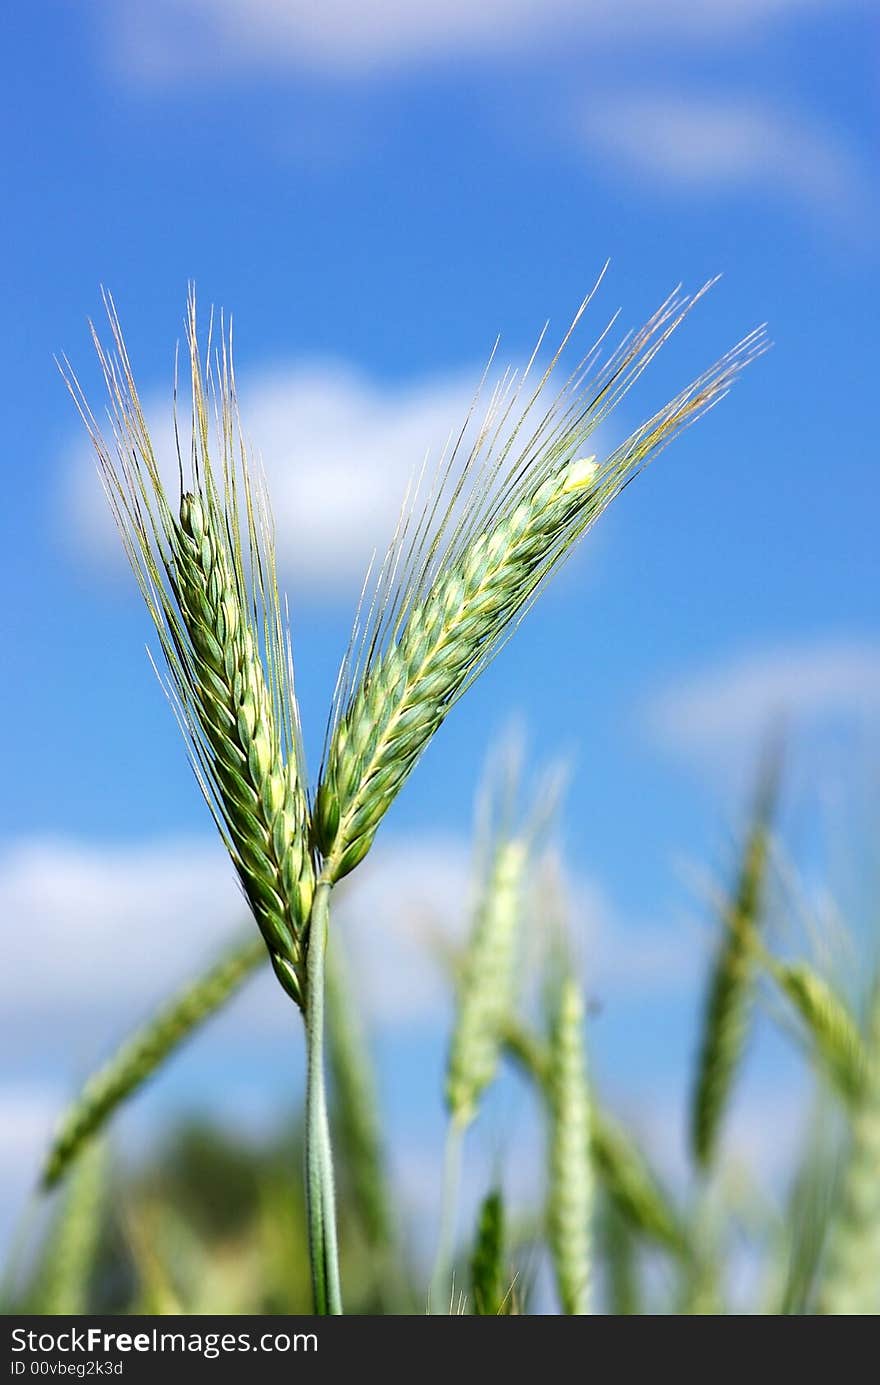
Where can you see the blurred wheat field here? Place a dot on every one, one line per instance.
(210, 1224)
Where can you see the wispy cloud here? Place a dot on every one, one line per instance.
(172, 40)
(100, 933)
(687, 143)
(729, 707)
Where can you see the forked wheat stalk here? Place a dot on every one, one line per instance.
(206, 567)
(467, 561)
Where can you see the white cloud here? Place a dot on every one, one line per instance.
(338, 450)
(729, 707)
(172, 40)
(717, 143)
(94, 932)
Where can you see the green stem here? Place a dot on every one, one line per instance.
(441, 1279)
(320, 1197)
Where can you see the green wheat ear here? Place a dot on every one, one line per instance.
(831, 1030)
(851, 1283)
(470, 558)
(731, 983)
(629, 1183)
(488, 1288)
(487, 986)
(570, 1191)
(205, 563)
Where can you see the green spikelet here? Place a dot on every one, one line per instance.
(263, 804)
(69, 1257)
(205, 564)
(631, 1184)
(487, 987)
(851, 1284)
(570, 1193)
(355, 1112)
(831, 1029)
(461, 573)
(145, 1051)
(484, 998)
(731, 982)
(487, 1260)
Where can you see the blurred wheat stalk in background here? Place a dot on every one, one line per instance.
(608, 1215)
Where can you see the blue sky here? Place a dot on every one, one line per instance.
(374, 199)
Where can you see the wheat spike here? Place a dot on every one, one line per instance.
(487, 1259)
(487, 984)
(832, 1031)
(205, 564)
(630, 1183)
(460, 574)
(620, 1167)
(570, 1193)
(730, 989)
(851, 1283)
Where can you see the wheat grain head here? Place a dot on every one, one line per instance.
(468, 560)
(205, 564)
(570, 1191)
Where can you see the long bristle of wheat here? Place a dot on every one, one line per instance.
(487, 984)
(730, 990)
(851, 1283)
(831, 1029)
(467, 575)
(205, 563)
(570, 1191)
(143, 1052)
